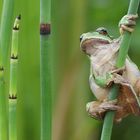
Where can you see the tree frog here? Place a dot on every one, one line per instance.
(102, 51)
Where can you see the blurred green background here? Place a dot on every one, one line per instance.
(70, 18)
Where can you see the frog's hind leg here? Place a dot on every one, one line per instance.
(97, 109)
(127, 98)
(133, 75)
(131, 99)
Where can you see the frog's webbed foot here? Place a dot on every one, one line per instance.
(97, 109)
(127, 23)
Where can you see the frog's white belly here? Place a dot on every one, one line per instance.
(100, 70)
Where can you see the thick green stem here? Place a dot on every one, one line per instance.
(5, 33)
(108, 121)
(45, 69)
(13, 82)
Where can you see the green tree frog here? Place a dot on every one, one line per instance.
(102, 51)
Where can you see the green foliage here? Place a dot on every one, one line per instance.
(70, 68)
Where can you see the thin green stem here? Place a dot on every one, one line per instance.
(6, 27)
(12, 119)
(3, 107)
(124, 46)
(108, 120)
(13, 82)
(5, 33)
(45, 69)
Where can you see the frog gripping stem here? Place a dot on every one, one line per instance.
(124, 46)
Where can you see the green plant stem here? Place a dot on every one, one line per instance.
(45, 69)
(3, 106)
(13, 82)
(5, 33)
(108, 121)
(6, 28)
(12, 119)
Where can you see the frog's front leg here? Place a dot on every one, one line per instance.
(118, 70)
(127, 23)
(97, 109)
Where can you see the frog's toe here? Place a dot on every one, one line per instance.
(126, 28)
(110, 105)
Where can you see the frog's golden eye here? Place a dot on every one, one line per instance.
(102, 31)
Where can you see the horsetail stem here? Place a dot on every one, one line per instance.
(3, 104)
(45, 69)
(124, 46)
(5, 28)
(13, 81)
(5, 33)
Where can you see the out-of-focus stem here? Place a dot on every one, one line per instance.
(45, 69)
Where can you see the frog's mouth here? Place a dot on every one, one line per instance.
(92, 42)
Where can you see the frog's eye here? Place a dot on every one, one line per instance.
(102, 31)
(81, 37)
